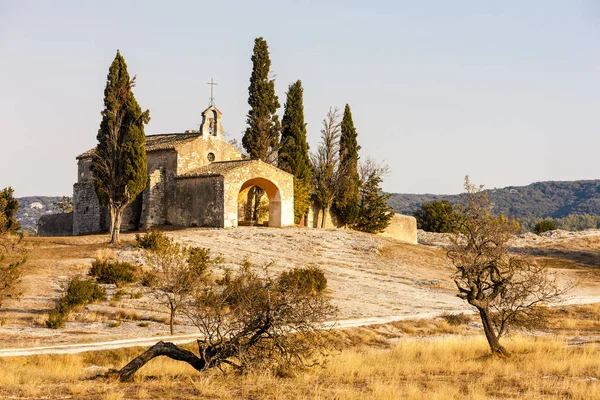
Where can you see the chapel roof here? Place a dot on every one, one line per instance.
(164, 141)
(217, 168)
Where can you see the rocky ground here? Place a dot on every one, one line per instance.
(372, 279)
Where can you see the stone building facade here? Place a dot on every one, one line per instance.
(194, 179)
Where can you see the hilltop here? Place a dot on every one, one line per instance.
(32, 208)
(554, 199)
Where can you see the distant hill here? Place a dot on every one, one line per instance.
(538, 200)
(32, 208)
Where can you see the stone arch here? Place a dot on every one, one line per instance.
(273, 193)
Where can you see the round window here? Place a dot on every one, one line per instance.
(211, 157)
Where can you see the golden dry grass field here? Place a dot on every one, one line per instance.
(403, 360)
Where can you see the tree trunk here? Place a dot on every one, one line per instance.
(325, 213)
(113, 212)
(116, 226)
(160, 349)
(172, 321)
(258, 194)
(490, 335)
(249, 202)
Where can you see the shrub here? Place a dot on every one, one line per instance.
(200, 260)
(456, 319)
(116, 272)
(154, 240)
(80, 292)
(56, 320)
(118, 295)
(149, 279)
(544, 226)
(437, 216)
(310, 279)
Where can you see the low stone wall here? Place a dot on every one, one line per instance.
(55, 225)
(402, 227)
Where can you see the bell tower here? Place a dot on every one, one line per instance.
(211, 117)
(211, 123)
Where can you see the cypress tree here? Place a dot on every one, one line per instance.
(374, 213)
(293, 153)
(261, 138)
(347, 200)
(119, 162)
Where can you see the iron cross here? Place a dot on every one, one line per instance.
(212, 85)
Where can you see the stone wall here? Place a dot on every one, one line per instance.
(197, 202)
(159, 192)
(55, 225)
(402, 227)
(88, 215)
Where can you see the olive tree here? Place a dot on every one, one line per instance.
(506, 290)
(251, 320)
(175, 271)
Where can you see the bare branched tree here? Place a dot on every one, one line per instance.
(506, 290)
(326, 162)
(371, 168)
(253, 321)
(176, 272)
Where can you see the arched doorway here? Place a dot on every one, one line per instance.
(268, 205)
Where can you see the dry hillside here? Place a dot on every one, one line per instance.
(371, 278)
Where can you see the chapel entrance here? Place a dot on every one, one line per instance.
(259, 203)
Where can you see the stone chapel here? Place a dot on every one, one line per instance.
(194, 180)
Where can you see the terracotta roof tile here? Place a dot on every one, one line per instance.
(217, 168)
(166, 141)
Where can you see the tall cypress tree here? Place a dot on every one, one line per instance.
(293, 153)
(119, 162)
(261, 138)
(346, 203)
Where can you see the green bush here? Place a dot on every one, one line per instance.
(309, 279)
(80, 292)
(116, 272)
(544, 226)
(437, 216)
(154, 240)
(55, 320)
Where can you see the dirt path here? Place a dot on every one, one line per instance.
(191, 337)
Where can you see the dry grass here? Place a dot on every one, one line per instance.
(446, 368)
(430, 359)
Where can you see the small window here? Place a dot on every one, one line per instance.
(211, 157)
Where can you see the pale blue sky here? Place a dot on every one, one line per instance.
(506, 91)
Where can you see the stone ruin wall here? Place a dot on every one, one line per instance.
(88, 215)
(402, 227)
(55, 225)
